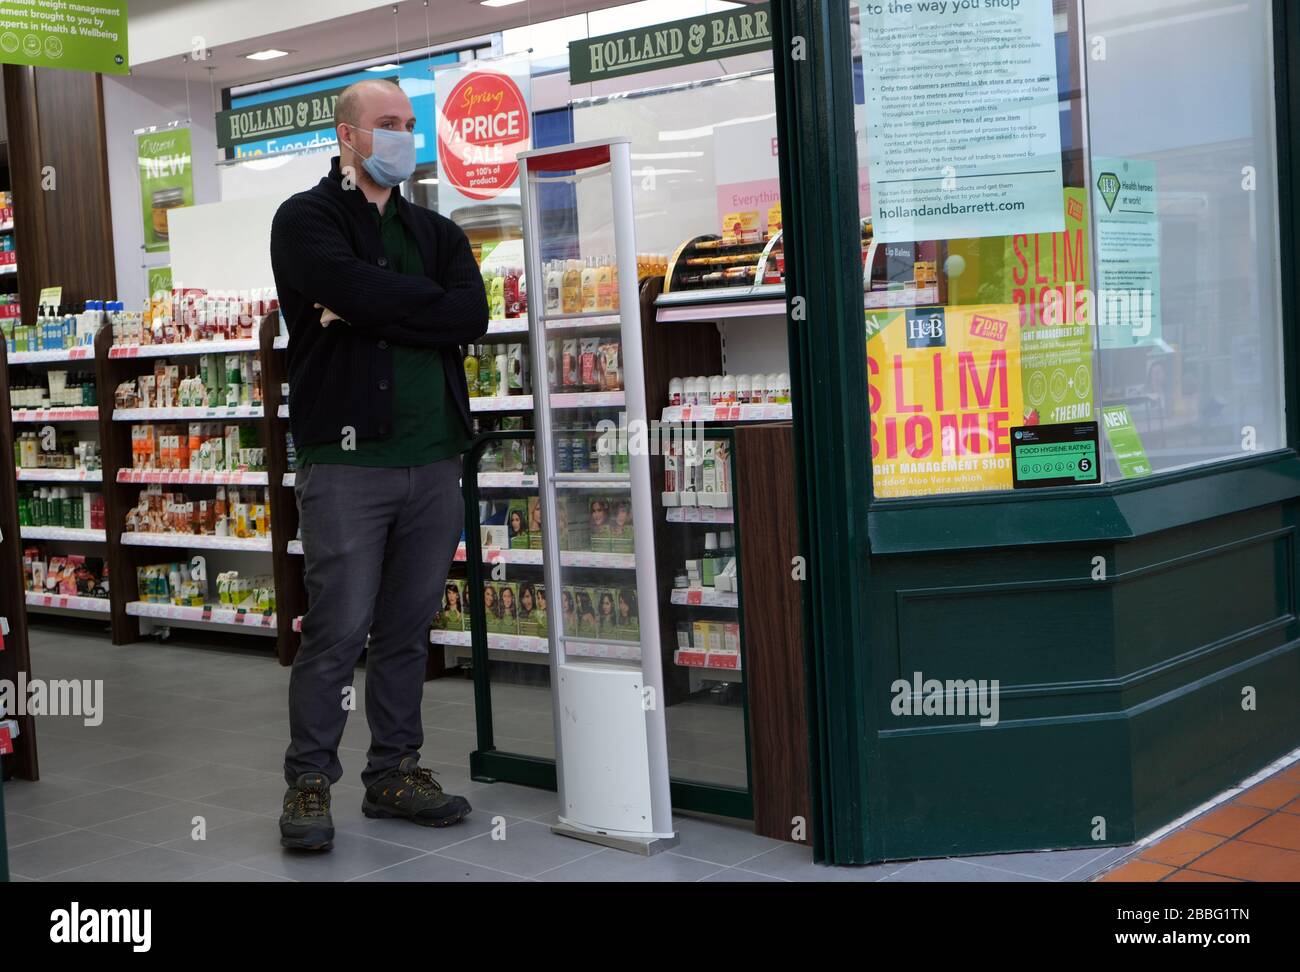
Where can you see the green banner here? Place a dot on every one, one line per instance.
(1125, 442)
(88, 36)
(166, 182)
(277, 119)
(744, 30)
(160, 281)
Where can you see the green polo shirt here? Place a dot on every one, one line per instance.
(426, 423)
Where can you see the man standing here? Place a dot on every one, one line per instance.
(378, 294)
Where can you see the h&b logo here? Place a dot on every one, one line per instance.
(926, 328)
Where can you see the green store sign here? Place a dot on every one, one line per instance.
(745, 30)
(88, 36)
(278, 119)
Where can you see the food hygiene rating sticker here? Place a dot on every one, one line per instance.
(1055, 455)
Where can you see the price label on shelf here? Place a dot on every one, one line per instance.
(695, 597)
(206, 615)
(6, 743)
(75, 354)
(688, 412)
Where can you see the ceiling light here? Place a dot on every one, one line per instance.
(270, 54)
(427, 182)
(384, 67)
(499, 3)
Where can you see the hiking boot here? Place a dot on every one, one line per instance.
(305, 823)
(411, 793)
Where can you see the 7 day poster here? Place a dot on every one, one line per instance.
(944, 389)
(166, 182)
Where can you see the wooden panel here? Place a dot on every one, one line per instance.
(16, 656)
(115, 451)
(63, 227)
(768, 525)
(290, 590)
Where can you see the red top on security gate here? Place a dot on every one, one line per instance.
(482, 126)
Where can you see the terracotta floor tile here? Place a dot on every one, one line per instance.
(1229, 820)
(1187, 874)
(1252, 862)
(1182, 847)
(1292, 772)
(1279, 830)
(1293, 806)
(1271, 794)
(1139, 871)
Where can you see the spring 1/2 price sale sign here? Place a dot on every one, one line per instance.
(484, 122)
(944, 386)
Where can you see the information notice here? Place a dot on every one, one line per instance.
(963, 118)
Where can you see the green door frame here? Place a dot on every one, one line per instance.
(842, 528)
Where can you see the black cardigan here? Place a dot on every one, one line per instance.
(326, 249)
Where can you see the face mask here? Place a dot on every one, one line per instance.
(393, 157)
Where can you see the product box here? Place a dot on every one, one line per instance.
(740, 226)
(508, 601)
(494, 536)
(452, 615)
(528, 609)
(517, 524)
(534, 523)
(541, 619)
(569, 609)
(620, 527)
(606, 599)
(600, 524)
(491, 607)
(627, 621)
(731, 637)
(588, 624)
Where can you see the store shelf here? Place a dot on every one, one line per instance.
(496, 642)
(189, 413)
(80, 353)
(289, 479)
(699, 514)
(569, 322)
(592, 558)
(508, 325)
(197, 541)
(192, 477)
(9, 268)
(183, 348)
(280, 342)
(4, 627)
(705, 597)
(60, 475)
(587, 399)
(592, 648)
(208, 614)
(502, 403)
(68, 602)
(493, 555)
(83, 413)
(507, 480)
(727, 413)
(587, 481)
(62, 533)
(282, 411)
(766, 300)
(716, 660)
(294, 548)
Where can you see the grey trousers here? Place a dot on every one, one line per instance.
(378, 544)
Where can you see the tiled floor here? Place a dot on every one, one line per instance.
(191, 745)
(1255, 836)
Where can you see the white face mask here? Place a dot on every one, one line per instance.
(392, 159)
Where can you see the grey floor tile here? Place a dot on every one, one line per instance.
(735, 875)
(70, 757)
(351, 856)
(233, 842)
(202, 780)
(511, 800)
(1086, 872)
(953, 870)
(134, 769)
(719, 843)
(100, 808)
(172, 822)
(433, 868)
(426, 838)
(21, 829)
(1048, 865)
(793, 862)
(149, 864)
(614, 865)
(73, 849)
(24, 796)
(234, 873)
(258, 797)
(525, 848)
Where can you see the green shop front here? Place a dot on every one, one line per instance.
(1048, 492)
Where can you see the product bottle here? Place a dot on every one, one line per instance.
(486, 364)
(589, 273)
(471, 371)
(497, 299)
(709, 563)
(571, 288)
(554, 282)
(501, 363)
(605, 286)
(510, 292)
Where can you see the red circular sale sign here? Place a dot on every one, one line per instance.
(483, 125)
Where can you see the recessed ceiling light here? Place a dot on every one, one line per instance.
(499, 3)
(270, 54)
(427, 182)
(384, 67)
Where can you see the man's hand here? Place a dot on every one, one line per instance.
(326, 315)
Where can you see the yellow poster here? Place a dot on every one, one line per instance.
(944, 385)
